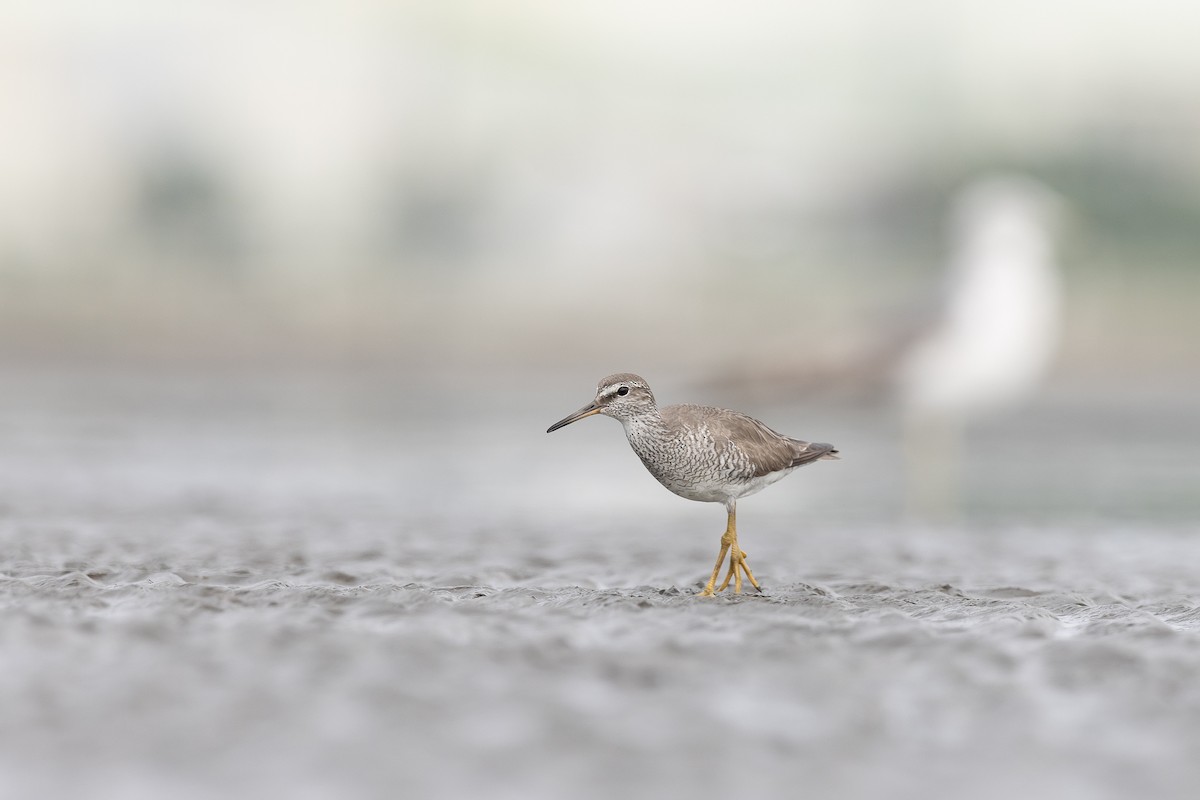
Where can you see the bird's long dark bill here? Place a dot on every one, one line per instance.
(586, 411)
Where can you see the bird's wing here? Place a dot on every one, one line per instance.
(767, 450)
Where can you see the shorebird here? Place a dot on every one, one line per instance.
(707, 454)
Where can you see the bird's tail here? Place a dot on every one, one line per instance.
(814, 451)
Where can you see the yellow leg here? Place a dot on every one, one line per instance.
(737, 561)
(732, 572)
(708, 589)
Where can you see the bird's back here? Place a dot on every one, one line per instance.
(714, 454)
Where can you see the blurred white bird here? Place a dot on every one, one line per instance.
(997, 335)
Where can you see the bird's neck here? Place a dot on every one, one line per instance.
(645, 428)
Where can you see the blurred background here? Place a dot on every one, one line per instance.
(449, 220)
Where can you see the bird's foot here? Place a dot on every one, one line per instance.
(737, 563)
(737, 566)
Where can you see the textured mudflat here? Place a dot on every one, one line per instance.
(264, 662)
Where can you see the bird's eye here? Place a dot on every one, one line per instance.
(624, 390)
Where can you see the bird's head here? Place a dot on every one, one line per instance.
(621, 396)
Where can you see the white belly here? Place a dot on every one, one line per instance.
(722, 491)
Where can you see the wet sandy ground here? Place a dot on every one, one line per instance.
(256, 598)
